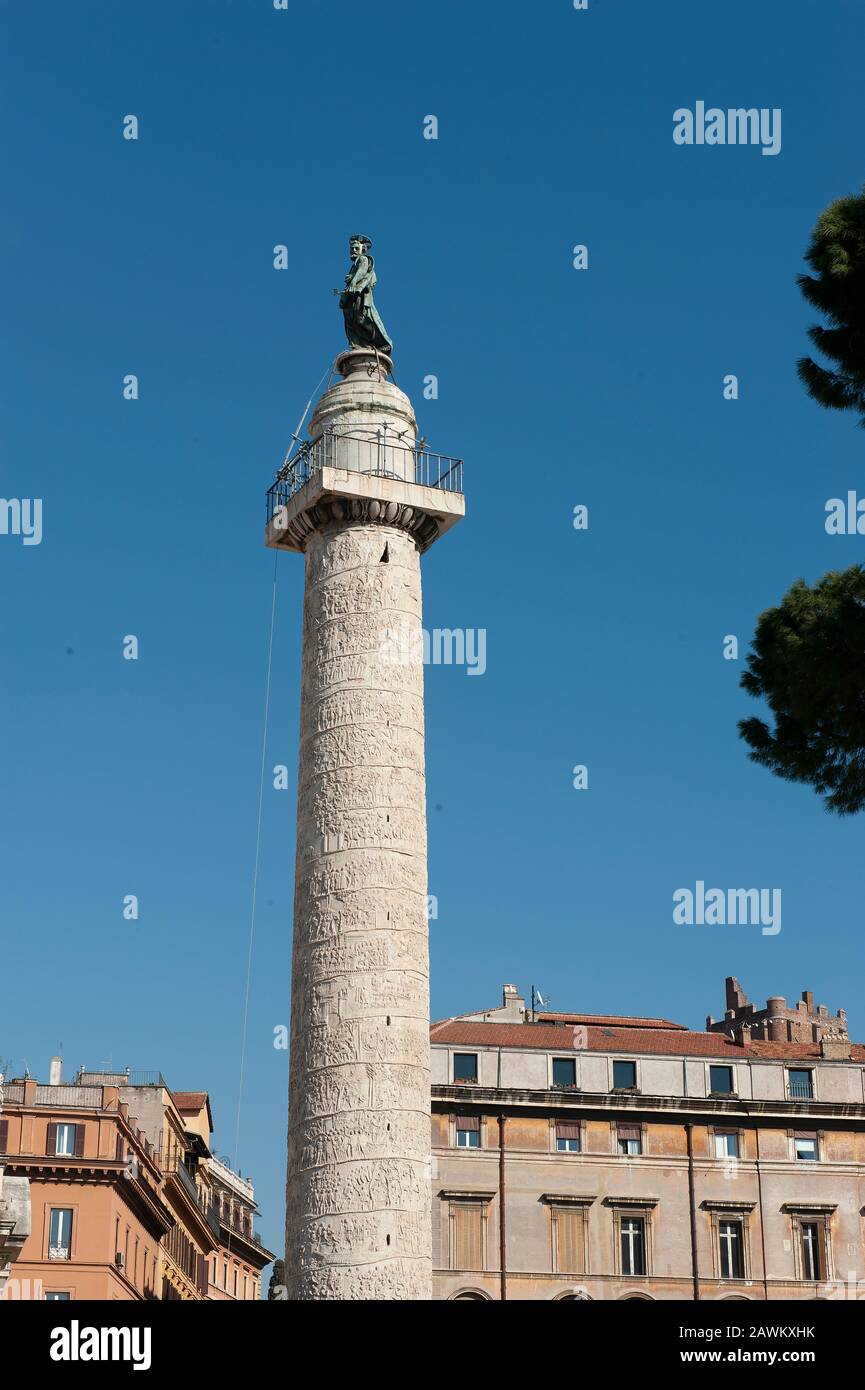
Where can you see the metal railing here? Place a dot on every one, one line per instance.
(800, 1090)
(121, 1078)
(212, 1214)
(209, 1210)
(378, 454)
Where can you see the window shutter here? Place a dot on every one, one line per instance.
(726, 1131)
(805, 1134)
(629, 1131)
(565, 1129)
(569, 1229)
(79, 1141)
(4, 1136)
(472, 1122)
(119, 1150)
(468, 1236)
(51, 1143)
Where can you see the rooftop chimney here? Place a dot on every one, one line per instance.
(513, 1004)
(55, 1072)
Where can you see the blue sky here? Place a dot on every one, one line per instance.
(559, 387)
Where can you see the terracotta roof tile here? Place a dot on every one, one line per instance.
(673, 1042)
(189, 1100)
(614, 1020)
(541, 1035)
(803, 1050)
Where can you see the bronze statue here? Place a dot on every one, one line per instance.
(363, 327)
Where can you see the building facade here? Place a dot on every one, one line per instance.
(123, 1199)
(97, 1216)
(235, 1270)
(591, 1157)
(14, 1210)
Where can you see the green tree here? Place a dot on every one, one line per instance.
(808, 661)
(836, 255)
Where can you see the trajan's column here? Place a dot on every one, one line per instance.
(361, 501)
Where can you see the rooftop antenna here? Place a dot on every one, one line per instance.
(536, 995)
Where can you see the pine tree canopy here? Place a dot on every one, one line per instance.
(808, 661)
(836, 255)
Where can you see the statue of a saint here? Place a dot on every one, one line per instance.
(363, 327)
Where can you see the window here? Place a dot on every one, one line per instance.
(235, 1281)
(65, 1140)
(215, 1276)
(564, 1071)
(805, 1145)
(468, 1131)
(465, 1066)
(569, 1241)
(624, 1076)
(630, 1139)
(633, 1245)
(467, 1235)
(55, 1297)
(726, 1143)
(60, 1234)
(225, 1275)
(730, 1238)
(812, 1263)
(800, 1083)
(567, 1137)
(721, 1081)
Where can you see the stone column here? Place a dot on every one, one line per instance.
(358, 1194)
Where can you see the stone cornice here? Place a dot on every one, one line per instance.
(335, 497)
(631, 1201)
(568, 1199)
(585, 1102)
(465, 1194)
(710, 1204)
(245, 1246)
(705, 1166)
(809, 1208)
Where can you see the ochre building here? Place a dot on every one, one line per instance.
(578, 1156)
(125, 1198)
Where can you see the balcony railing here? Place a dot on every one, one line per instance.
(212, 1214)
(238, 1226)
(800, 1090)
(377, 454)
(121, 1078)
